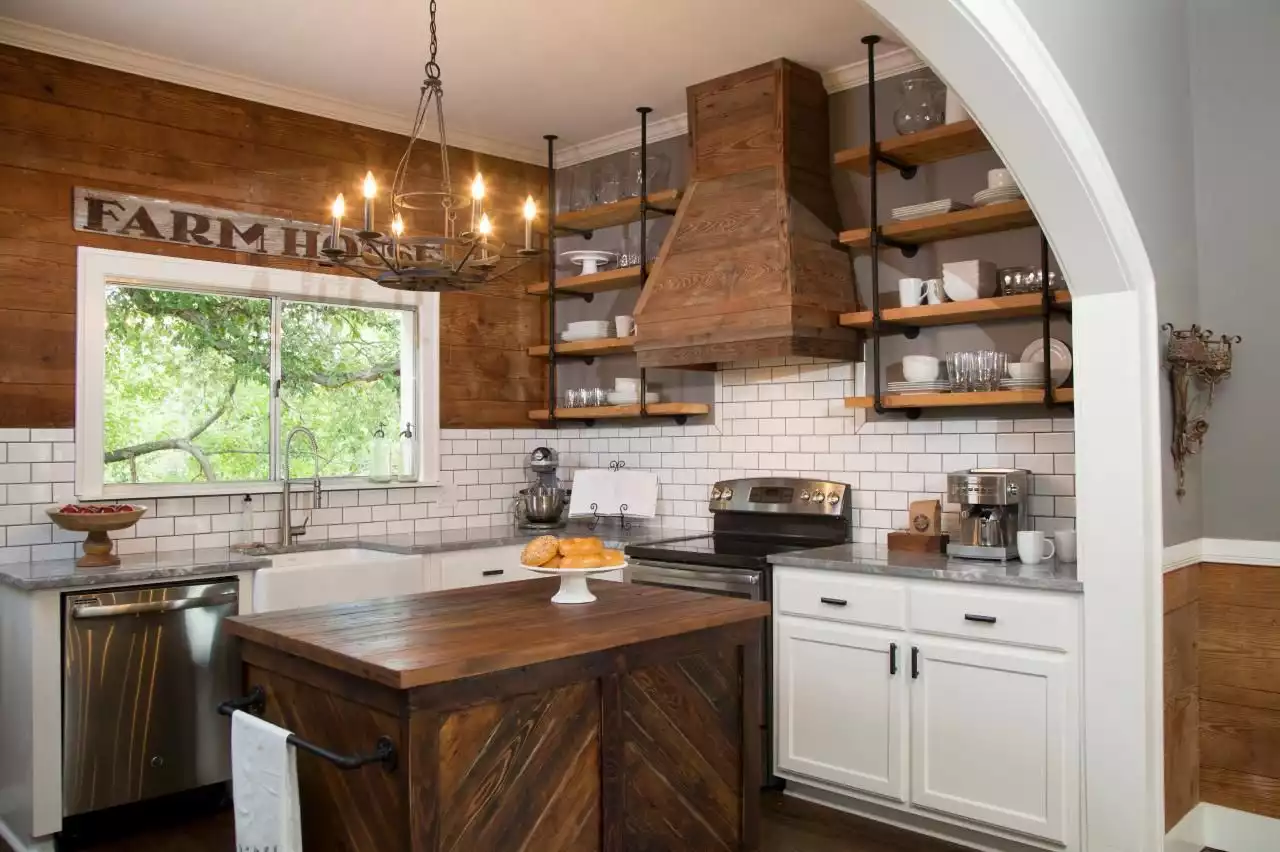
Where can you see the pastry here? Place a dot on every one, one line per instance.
(581, 546)
(540, 550)
(594, 560)
(553, 562)
(612, 557)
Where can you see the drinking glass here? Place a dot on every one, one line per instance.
(920, 105)
(610, 186)
(631, 177)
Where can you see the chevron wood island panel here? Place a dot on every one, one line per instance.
(631, 724)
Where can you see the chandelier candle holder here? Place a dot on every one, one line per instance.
(447, 260)
(1197, 363)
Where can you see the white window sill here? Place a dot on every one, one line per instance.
(183, 489)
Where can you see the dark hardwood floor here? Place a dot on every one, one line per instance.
(789, 825)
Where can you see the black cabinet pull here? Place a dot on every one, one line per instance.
(492, 572)
(915, 662)
(893, 658)
(981, 619)
(834, 601)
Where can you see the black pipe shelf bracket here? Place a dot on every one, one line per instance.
(551, 279)
(384, 751)
(1046, 313)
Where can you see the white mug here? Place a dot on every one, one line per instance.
(1031, 547)
(625, 324)
(933, 291)
(999, 178)
(910, 291)
(1065, 540)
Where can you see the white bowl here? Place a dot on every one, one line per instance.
(1033, 371)
(1000, 178)
(920, 368)
(631, 386)
(631, 398)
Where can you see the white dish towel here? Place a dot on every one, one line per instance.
(264, 779)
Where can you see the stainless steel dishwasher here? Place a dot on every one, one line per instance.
(144, 669)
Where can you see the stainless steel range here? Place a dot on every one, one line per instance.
(751, 519)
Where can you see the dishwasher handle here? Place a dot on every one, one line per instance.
(107, 610)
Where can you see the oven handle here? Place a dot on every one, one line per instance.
(676, 571)
(145, 607)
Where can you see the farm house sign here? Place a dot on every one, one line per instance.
(100, 211)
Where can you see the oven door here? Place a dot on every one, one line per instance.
(727, 582)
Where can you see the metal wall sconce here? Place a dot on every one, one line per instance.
(1193, 354)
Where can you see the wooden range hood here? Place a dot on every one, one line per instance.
(751, 268)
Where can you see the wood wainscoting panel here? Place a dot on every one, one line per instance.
(522, 773)
(1239, 675)
(1181, 693)
(681, 738)
(71, 124)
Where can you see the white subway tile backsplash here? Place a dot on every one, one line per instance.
(778, 417)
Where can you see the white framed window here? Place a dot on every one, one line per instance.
(190, 373)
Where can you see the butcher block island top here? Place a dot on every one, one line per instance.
(632, 722)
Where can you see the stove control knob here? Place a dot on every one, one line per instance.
(804, 497)
(833, 498)
(727, 494)
(715, 494)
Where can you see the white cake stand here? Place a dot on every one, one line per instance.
(573, 581)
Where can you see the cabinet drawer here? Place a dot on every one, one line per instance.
(1045, 620)
(482, 567)
(841, 597)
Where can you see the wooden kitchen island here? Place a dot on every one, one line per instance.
(631, 723)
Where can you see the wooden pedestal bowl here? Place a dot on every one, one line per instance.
(98, 546)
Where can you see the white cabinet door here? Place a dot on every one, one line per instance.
(840, 705)
(990, 735)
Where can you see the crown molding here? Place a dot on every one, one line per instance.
(623, 140)
(107, 55)
(888, 64)
(891, 63)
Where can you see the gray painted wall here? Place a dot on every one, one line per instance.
(1235, 75)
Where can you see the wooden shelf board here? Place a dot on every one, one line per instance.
(954, 400)
(583, 348)
(949, 226)
(918, 149)
(615, 412)
(957, 313)
(619, 213)
(597, 282)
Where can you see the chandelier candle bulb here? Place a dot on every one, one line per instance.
(485, 228)
(477, 195)
(370, 191)
(339, 208)
(530, 211)
(397, 228)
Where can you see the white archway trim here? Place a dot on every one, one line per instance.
(989, 52)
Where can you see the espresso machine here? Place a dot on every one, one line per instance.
(544, 503)
(994, 506)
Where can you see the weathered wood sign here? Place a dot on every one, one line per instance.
(102, 211)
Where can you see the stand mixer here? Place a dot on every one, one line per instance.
(543, 504)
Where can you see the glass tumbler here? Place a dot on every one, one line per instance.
(920, 105)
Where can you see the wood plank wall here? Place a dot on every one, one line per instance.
(1181, 694)
(1240, 687)
(67, 124)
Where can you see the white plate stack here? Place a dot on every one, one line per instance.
(935, 386)
(585, 330)
(929, 208)
(627, 392)
(998, 195)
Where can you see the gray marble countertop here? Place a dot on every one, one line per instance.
(58, 574)
(1051, 574)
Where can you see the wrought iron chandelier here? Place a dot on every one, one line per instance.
(434, 262)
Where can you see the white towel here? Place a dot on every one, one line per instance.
(264, 784)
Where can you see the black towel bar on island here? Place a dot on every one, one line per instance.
(255, 702)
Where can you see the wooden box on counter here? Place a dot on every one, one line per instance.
(907, 542)
(626, 724)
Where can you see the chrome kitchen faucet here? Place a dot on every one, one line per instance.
(288, 532)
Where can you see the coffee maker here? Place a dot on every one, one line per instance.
(994, 506)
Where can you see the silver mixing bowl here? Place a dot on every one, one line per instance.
(544, 506)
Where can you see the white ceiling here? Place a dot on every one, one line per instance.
(512, 69)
